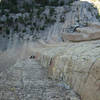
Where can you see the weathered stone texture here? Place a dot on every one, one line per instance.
(91, 32)
(78, 64)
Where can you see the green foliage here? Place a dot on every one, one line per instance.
(14, 2)
(24, 30)
(61, 3)
(2, 12)
(41, 18)
(14, 9)
(34, 24)
(40, 10)
(29, 23)
(54, 3)
(21, 20)
(0, 29)
(52, 11)
(32, 28)
(50, 3)
(16, 28)
(50, 21)
(31, 15)
(62, 20)
(28, 7)
(7, 15)
(43, 2)
(89, 9)
(42, 27)
(26, 19)
(9, 21)
(98, 17)
(70, 3)
(11, 5)
(7, 31)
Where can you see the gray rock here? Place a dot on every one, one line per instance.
(81, 13)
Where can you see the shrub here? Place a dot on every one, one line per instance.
(29, 23)
(34, 24)
(24, 30)
(28, 7)
(9, 21)
(61, 3)
(7, 15)
(2, 12)
(11, 5)
(7, 31)
(54, 3)
(42, 27)
(98, 17)
(40, 10)
(62, 19)
(32, 28)
(70, 2)
(50, 21)
(16, 28)
(31, 15)
(43, 2)
(21, 20)
(52, 10)
(14, 9)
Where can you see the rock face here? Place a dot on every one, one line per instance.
(91, 32)
(80, 14)
(78, 64)
(95, 2)
(25, 79)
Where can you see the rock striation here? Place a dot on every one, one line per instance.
(77, 64)
(88, 33)
(81, 13)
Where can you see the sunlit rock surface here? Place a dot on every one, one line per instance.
(96, 3)
(80, 14)
(88, 33)
(23, 78)
(75, 63)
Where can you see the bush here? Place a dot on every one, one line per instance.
(31, 15)
(61, 3)
(42, 27)
(21, 20)
(32, 28)
(34, 24)
(7, 31)
(11, 5)
(62, 19)
(98, 17)
(14, 10)
(54, 3)
(50, 21)
(43, 2)
(28, 7)
(9, 21)
(24, 30)
(70, 3)
(39, 12)
(52, 11)
(16, 28)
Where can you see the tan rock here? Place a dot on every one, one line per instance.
(89, 33)
(78, 64)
